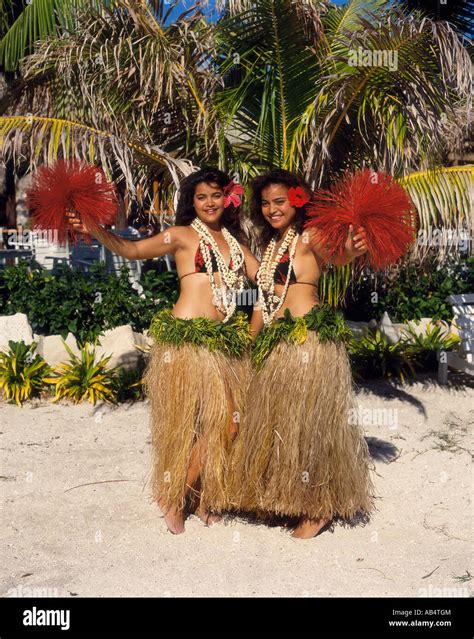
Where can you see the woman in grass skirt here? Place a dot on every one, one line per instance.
(198, 367)
(297, 454)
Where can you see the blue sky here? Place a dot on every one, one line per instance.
(186, 4)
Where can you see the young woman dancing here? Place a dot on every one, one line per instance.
(296, 454)
(197, 372)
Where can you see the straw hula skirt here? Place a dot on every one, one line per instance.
(297, 454)
(195, 380)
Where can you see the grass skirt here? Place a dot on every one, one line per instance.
(296, 453)
(196, 395)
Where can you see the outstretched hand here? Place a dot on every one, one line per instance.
(356, 245)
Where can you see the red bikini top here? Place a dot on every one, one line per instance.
(281, 271)
(200, 265)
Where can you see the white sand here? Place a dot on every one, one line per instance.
(107, 539)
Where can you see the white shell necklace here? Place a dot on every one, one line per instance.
(271, 303)
(231, 279)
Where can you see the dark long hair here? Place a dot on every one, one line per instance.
(277, 176)
(185, 212)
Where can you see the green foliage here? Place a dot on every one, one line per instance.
(411, 292)
(22, 373)
(83, 378)
(374, 356)
(128, 385)
(83, 304)
(232, 337)
(423, 349)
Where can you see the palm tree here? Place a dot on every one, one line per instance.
(119, 87)
(319, 88)
(272, 83)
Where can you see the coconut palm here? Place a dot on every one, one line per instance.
(310, 89)
(122, 88)
(319, 88)
(273, 82)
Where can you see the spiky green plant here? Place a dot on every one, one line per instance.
(22, 372)
(374, 356)
(83, 378)
(423, 349)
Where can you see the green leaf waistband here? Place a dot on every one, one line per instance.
(232, 338)
(328, 322)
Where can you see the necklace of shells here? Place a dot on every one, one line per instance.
(271, 303)
(232, 278)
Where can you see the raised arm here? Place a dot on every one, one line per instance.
(167, 241)
(354, 247)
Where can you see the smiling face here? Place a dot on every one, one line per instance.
(208, 202)
(276, 208)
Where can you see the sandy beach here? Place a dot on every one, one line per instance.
(77, 520)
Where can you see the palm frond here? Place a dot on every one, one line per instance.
(50, 138)
(38, 20)
(397, 112)
(444, 199)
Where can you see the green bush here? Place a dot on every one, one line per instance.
(128, 385)
(374, 356)
(83, 378)
(411, 292)
(83, 304)
(23, 374)
(423, 349)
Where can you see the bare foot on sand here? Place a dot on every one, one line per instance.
(205, 516)
(174, 518)
(309, 528)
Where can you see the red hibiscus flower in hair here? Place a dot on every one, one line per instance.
(297, 197)
(231, 194)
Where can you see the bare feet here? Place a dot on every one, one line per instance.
(174, 518)
(208, 518)
(309, 528)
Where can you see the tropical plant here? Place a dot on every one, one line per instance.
(411, 291)
(374, 356)
(297, 95)
(84, 304)
(423, 349)
(22, 372)
(83, 378)
(120, 88)
(272, 82)
(128, 384)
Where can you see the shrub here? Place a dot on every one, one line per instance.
(22, 373)
(128, 385)
(83, 378)
(83, 304)
(411, 291)
(423, 349)
(374, 356)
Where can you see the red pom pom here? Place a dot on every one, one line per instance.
(71, 185)
(371, 200)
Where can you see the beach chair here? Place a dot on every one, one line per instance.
(83, 255)
(114, 262)
(460, 360)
